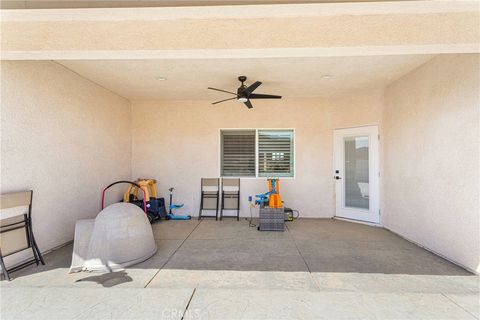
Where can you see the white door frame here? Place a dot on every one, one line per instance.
(372, 215)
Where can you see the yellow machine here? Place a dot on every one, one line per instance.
(147, 185)
(155, 206)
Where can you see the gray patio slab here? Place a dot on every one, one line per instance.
(329, 245)
(284, 304)
(321, 229)
(232, 229)
(165, 249)
(59, 277)
(469, 302)
(236, 254)
(236, 271)
(55, 271)
(222, 279)
(399, 262)
(315, 245)
(87, 303)
(396, 283)
(224, 249)
(174, 229)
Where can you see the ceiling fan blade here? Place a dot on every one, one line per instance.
(263, 96)
(252, 88)
(234, 98)
(222, 90)
(248, 104)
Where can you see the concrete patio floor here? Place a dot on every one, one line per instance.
(317, 269)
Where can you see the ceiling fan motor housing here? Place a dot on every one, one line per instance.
(240, 90)
(244, 93)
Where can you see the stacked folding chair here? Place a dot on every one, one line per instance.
(230, 197)
(210, 197)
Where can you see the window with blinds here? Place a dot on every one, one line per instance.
(238, 153)
(274, 157)
(275, 153)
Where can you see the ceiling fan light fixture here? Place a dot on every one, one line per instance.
(242, 99)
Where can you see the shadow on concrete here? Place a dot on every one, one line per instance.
(108, 280)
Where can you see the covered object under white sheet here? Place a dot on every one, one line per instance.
(118, 237)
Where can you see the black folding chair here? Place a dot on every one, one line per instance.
(16, 232)
(210, 197)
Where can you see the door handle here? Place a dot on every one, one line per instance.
(337, 178)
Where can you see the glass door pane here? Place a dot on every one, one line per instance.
(356, 170)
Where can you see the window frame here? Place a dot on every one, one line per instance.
(256, 152)
(221, 156)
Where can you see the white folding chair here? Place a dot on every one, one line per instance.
(230, 197)
(16, 232)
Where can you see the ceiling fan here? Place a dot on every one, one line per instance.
(244, 93)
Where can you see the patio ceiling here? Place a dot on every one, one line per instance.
(290, 77)
(290, 47)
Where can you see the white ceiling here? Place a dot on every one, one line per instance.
(289, 77)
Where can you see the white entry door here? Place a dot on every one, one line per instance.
(356, 173)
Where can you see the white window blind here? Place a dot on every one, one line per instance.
(275, 153)
(238, 153)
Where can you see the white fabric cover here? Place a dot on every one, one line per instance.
(118, 237)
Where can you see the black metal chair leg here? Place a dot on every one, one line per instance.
(35, 249)
(221, 207)
(201, 206)
(216, 208)
(238, 205)
(4, 269)
(31, 241)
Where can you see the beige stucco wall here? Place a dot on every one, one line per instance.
(64, 137)
(178, 143)
(431, 157)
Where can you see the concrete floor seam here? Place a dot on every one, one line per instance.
(304, 261)
(461, 307)
(164, 264)
(312, 278)
(188, 303)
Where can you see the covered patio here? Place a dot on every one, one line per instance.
(350, 125)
